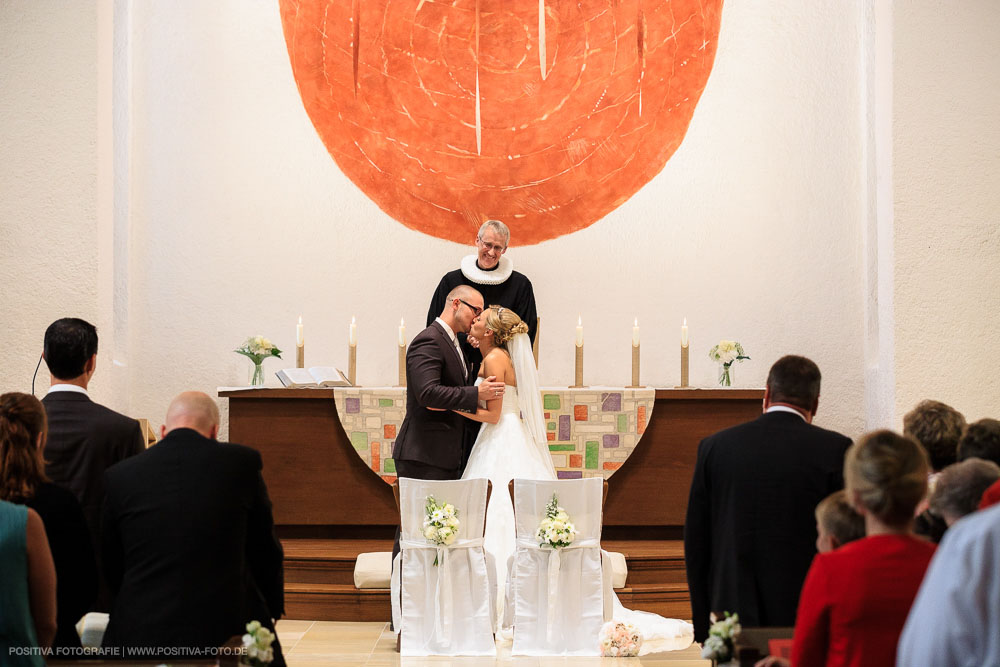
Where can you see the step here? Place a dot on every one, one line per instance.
(651, 561)
(313, 561)
(336, 602)
(670, 600)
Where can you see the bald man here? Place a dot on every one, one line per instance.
(188, 541)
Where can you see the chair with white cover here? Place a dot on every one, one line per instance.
(447, 608)
(560, 598)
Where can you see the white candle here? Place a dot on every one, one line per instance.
(684, 333)
(354, 332)
(300, 338)
(402, 332)
(635, 333)
(579, 331)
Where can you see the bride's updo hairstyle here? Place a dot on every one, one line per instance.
(887, 473)
(504, 323)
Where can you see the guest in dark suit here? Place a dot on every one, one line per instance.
(84, 438)
(188, 539)
(433, 441)
(750, 532)
(23, 481)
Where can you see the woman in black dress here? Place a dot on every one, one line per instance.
(23, 429)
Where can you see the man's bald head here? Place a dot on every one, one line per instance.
(465, 292)
(194, 410)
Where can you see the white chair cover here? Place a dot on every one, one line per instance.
(448, 608)
(559, 596)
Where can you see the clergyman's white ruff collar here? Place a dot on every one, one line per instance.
(498, 275)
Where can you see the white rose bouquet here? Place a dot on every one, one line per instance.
(620, 640)
(556, 529)
(257, 642)
(727, 352)
(440, 523)
(257, 349)
(722, 635)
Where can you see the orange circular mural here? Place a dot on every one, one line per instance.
(546, 114)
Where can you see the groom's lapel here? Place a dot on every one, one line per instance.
(457, 362)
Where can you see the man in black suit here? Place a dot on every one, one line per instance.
(85, 438)
(750, 534)
(188, 540)
(433, 441)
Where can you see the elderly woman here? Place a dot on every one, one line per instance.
(23, 430)
(960, 487)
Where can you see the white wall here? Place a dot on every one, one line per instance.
(230, 218)
(947, 185)
(48, 179)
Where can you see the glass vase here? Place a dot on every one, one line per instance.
(726, 372)
(257, 374)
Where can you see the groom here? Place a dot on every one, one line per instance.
(432, 441)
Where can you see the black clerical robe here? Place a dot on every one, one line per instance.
(515, 293)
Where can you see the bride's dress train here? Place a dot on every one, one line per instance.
(507, 450)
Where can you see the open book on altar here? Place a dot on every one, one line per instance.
(317, 376)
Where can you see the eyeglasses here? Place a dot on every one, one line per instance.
(477, 311)
(494, 247)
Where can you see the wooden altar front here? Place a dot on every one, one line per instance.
(329, 505)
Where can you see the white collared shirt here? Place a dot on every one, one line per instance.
(67, 387)
(783, 408)
(454, 341)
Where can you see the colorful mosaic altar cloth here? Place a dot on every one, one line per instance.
(591, 430)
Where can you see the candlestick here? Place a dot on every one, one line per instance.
(402, 333)
(578, 376)
(635, 368)
(635, 333)
(579, 331)
(684, 366)
(300, 356)
(538, 335)
(353, 339)
(300, 339)
(352, 364)
(402, 365)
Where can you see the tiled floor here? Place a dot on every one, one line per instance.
(313, 643)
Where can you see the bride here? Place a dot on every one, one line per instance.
(512, 444)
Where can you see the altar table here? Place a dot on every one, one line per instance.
(326, 462)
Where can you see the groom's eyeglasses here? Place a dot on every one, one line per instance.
(477, 311)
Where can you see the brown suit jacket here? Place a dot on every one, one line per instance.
(435, 379)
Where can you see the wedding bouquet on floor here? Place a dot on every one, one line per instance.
(257, 642)
(620, 640)
(440, 523)
(556, 529)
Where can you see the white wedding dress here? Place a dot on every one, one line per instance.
(517, 447)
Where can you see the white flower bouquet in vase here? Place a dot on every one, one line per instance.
(440, 523)
(257, 349)
(726, 353)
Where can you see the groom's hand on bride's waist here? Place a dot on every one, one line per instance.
(490, 389)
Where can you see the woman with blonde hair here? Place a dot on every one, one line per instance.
(855, 599)
(512, 443)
